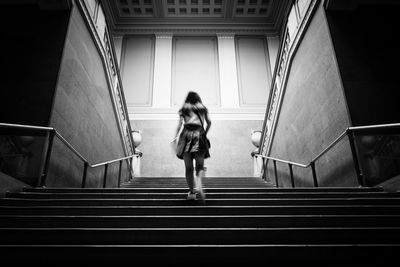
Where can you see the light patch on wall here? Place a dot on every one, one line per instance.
(254, 73)
(195, 68)
(137, 70)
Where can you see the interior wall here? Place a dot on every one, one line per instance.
(211, 66)
(230, 148)
(365, 41)
(313, 113)
(366, 45)
(83, 112)
(32, 46)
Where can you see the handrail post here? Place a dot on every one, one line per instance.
(105, 175)
(276, 174)
(351, 137)
(264, 169)
(291, 174)
(119, 173)
(42, 180)
(85, 167)
(131, 168)
(314, 173)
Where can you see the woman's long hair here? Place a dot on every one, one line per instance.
(193, 98)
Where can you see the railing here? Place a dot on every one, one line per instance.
(50, 133)
(386, 138)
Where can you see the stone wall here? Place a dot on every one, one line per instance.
(313, 113)
(83, 112)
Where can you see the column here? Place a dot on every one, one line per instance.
(118, 48)
(162, 70)
(273, 47)
(227, 70)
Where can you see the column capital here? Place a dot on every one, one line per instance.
(163, 35)
(226, 35)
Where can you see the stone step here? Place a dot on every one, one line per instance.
(208, 202)
(209, 195)
(198, 221)
(202, 255)
(210, 190)
(197, 236)
(203, 210)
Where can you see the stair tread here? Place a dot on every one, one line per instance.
(239, 212)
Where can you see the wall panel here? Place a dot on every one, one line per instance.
(137, 70)
(195, 68)
(254, 73)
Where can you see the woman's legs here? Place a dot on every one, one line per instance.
(188, 159)
(199, 157)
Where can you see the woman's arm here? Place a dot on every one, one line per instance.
(207, 118)
(179, 125)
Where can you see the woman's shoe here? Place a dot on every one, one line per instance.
(199, 187)
(191, 195)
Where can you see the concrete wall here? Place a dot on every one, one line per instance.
(365, 41)
(31, 54)
(83, 112)
(368, 58)
(314, 113)
(31, 48)
(230, 148)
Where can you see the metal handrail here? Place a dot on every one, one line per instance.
(112, 161)
(376, 126)
(348, 132)
(53, 132)
(62, 139)
(22, 126)
(283, 161)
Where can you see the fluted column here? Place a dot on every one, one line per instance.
(162, 70)
(227, 70)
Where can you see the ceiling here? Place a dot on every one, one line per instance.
(194, 16)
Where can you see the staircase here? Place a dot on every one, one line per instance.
(243, 222)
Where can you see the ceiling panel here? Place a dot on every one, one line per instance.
(128, 15)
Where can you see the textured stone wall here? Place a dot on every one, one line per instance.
(83, 112)
(314, 113)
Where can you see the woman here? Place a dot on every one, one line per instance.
(192, 142)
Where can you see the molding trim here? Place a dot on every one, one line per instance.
(136, 113)
(163, 35)
(195, 30)
(226, 35)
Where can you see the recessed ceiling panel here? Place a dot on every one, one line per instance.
(135, 8)
(223, 15)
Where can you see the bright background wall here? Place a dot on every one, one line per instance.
(231, 73)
